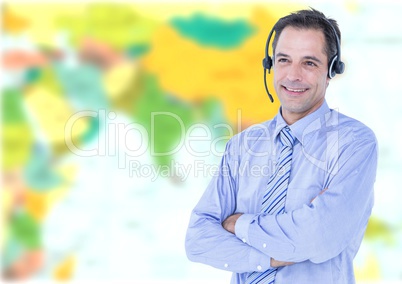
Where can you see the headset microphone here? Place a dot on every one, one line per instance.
(266, 86)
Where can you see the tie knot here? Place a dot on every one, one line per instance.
(286, 137)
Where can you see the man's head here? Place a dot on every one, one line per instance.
(303, 45)
(311, 19)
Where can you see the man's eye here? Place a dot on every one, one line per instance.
(310, 63)
(282, 60)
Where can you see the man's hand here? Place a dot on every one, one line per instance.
(230, 222)
(276, 263)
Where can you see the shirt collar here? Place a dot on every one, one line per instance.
(298, 128)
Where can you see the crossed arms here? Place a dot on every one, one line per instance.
(218, 235)
(230, 223)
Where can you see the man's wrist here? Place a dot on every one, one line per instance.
(230, 222)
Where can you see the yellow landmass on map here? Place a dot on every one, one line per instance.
(234, 76)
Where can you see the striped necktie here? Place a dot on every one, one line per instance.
(275, 196)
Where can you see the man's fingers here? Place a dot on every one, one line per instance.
(276, 263)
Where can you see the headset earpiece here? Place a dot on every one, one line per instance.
(336, 66)
(340, 67)
(267, 63)
(332, 67)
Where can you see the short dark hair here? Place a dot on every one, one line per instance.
(310, 19)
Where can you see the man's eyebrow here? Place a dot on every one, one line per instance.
(280, 54)
(308, 57)
(313, 58)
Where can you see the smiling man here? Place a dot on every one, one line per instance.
(300, 71)
(293, 195)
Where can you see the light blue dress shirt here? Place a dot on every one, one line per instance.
(322, 236)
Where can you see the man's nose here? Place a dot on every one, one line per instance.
(294, 72)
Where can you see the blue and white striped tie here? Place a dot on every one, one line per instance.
(275, 196)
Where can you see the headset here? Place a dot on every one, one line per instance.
(336, 66)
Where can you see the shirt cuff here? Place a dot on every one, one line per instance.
(242, 225)
(258, 261)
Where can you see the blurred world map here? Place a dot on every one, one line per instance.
(115, 116)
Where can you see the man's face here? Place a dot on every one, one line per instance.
(300, 72)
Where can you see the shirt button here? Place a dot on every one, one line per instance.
(226, 265)
(244, 240)
(259, 267)
(264, 245)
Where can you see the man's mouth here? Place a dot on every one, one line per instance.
(295, 90)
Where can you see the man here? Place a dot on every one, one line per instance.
(293, 195)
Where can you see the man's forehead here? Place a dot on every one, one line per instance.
(305, 40)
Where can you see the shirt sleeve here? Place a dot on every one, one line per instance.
(334, 220)
(206, 240)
